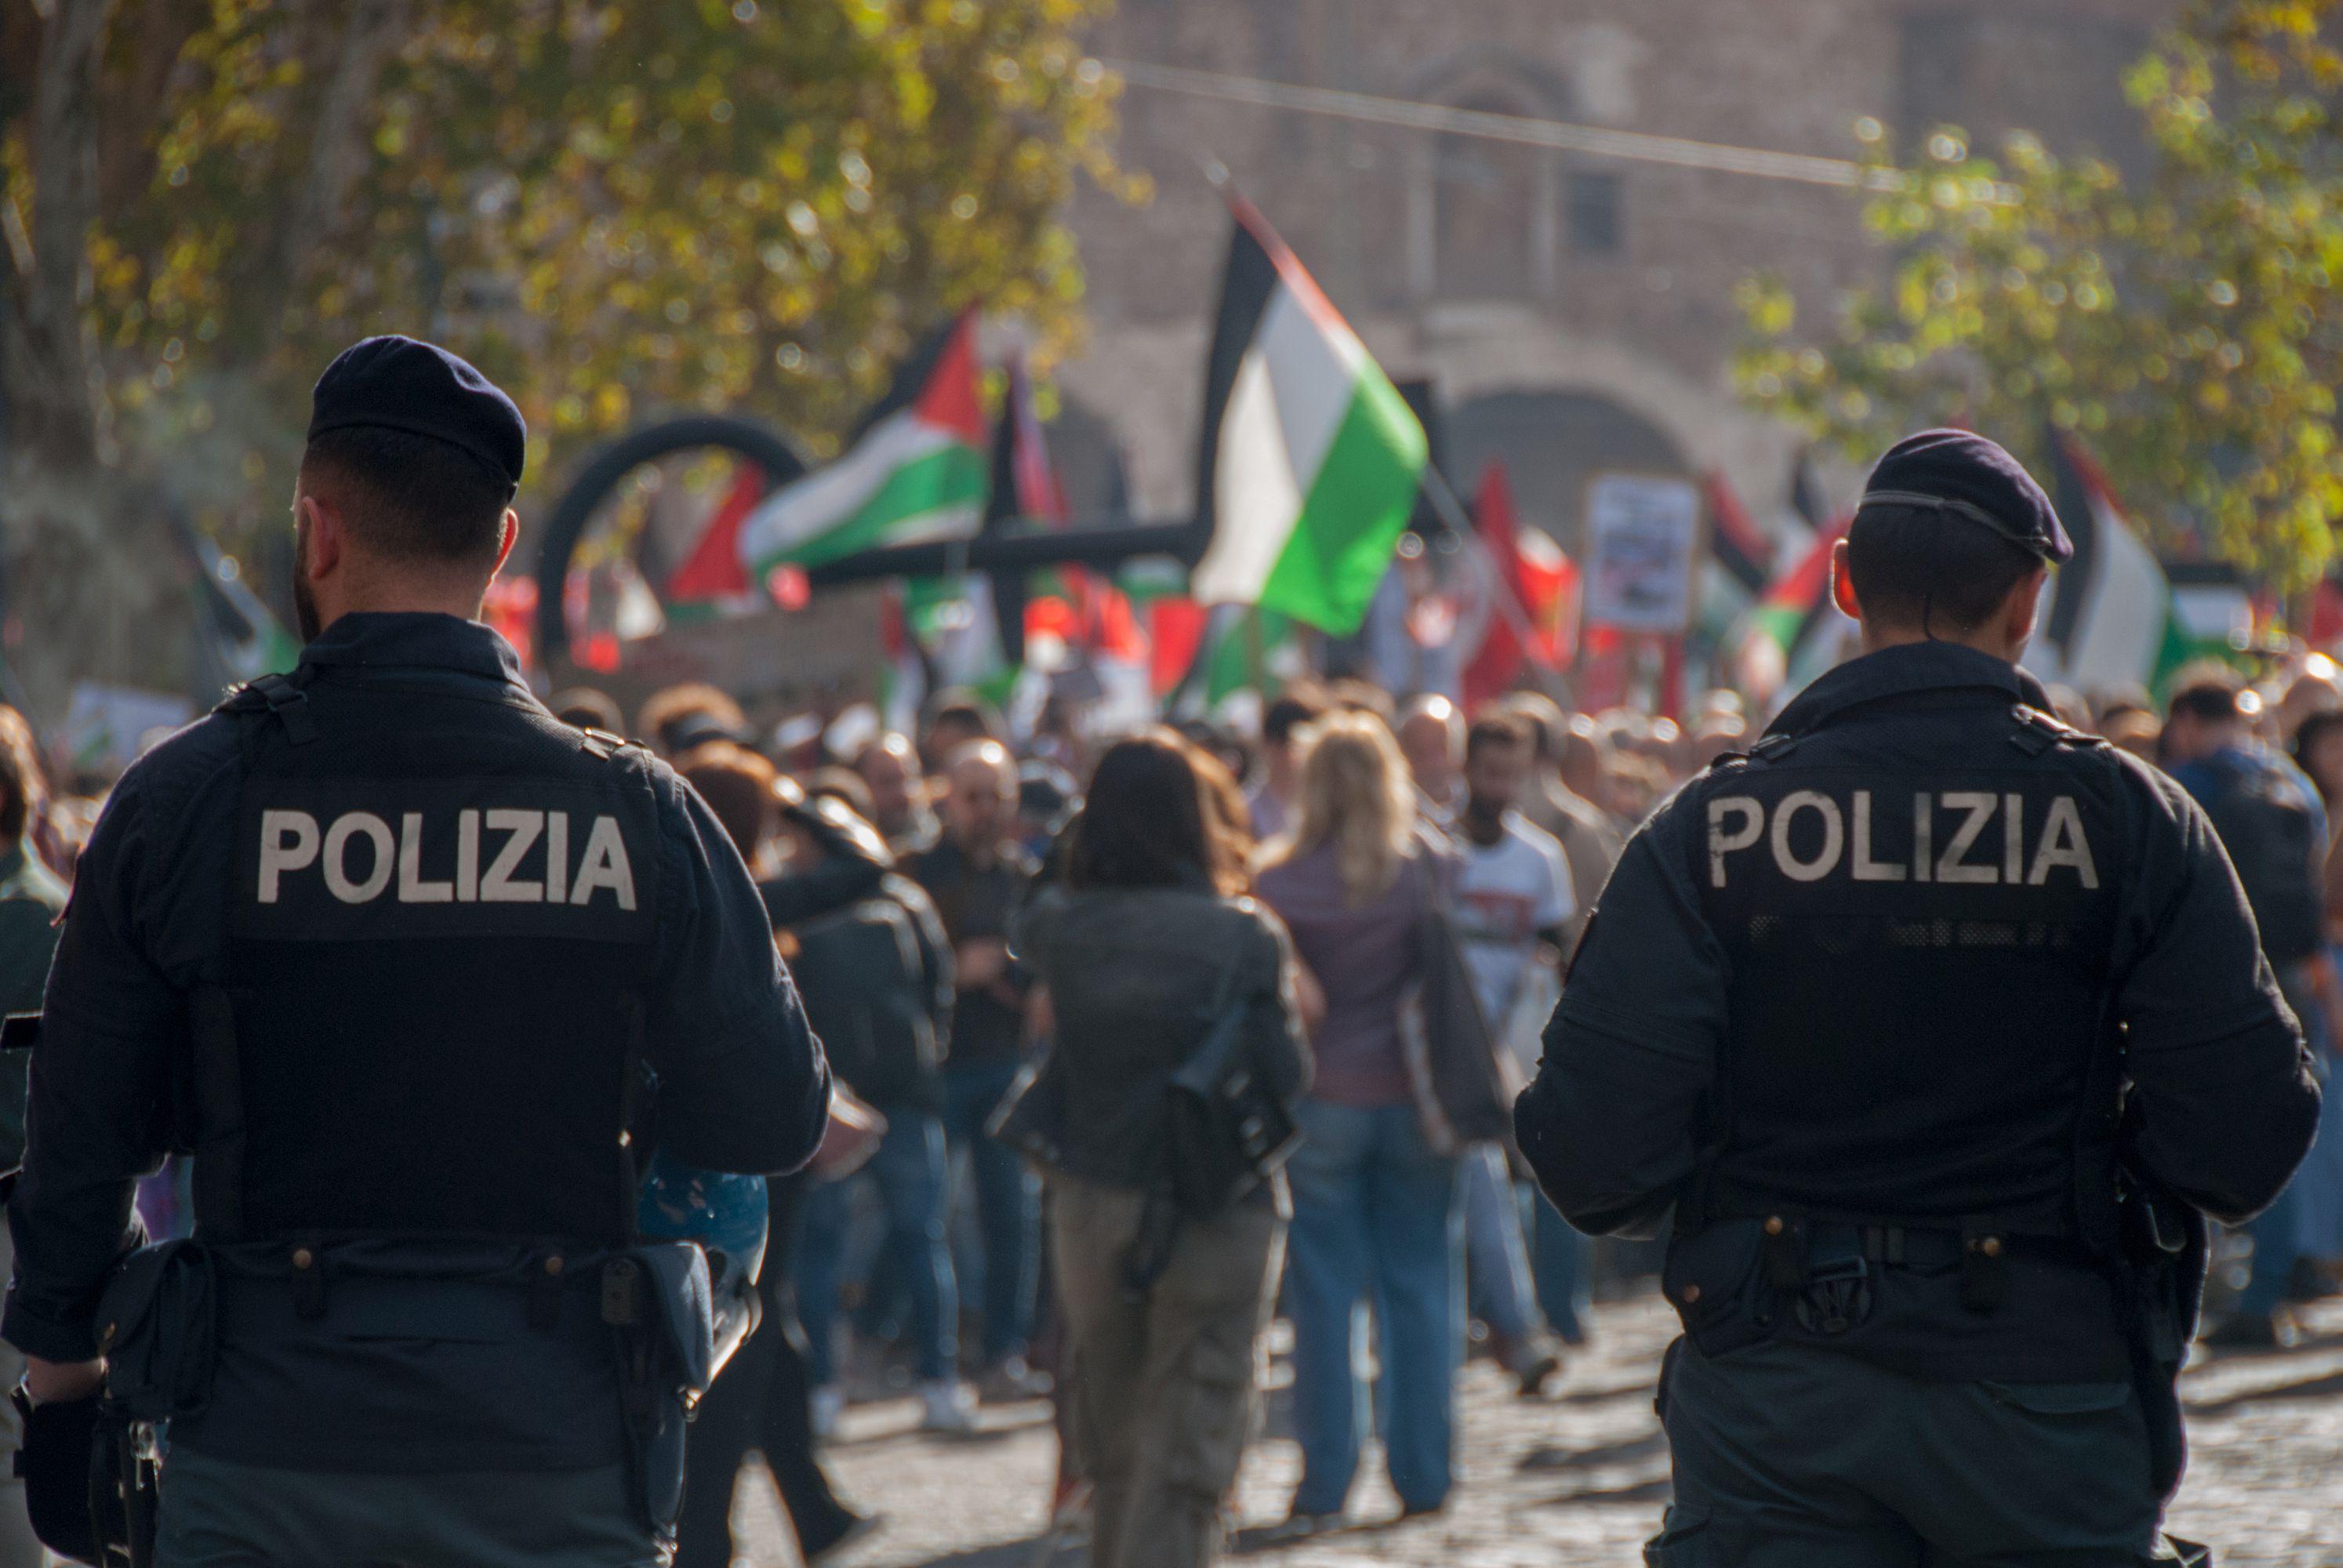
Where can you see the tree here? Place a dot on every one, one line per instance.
(612, 208)
(2181, 325)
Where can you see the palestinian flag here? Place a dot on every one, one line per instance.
(2109, 608)
(1734, 540)
(1242, 647)
(915, 470)
(244, 638)
(1796, 615)
(1311, 458)
(712, 578)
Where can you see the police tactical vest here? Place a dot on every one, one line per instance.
(1916, 900)
(439, 926)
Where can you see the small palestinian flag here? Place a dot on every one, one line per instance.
(1797, 615)
(711, 580)
(1736, 541)
(915, 470)
(2105, 622)
(1311, 458)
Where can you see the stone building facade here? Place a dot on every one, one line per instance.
(1574, 309)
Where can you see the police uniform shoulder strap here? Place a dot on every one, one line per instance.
(1768, 749)
(278, 697)
(2038, 731)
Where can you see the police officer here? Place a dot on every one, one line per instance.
(1938, 1027)
(392, 950)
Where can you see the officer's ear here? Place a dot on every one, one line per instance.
(2024, 605)
(322, 523)
(1842, 584)
(508, 536)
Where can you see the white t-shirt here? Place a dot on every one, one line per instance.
(1507, 893)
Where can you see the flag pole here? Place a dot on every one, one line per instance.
(1443, 497)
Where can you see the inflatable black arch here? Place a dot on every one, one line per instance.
(567, 525)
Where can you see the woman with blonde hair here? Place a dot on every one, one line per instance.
(1375, 1212)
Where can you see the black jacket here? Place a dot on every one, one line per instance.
(1876, 970)
(421, 731)
(1133, 976)
(876, 978)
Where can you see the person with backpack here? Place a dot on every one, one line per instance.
(2273, 824)
(877, 977)
(1168, 1233)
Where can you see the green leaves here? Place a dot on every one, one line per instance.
(2184, 325)
(749, 204)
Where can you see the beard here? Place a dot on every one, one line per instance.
(305, 603)
(1484, 814)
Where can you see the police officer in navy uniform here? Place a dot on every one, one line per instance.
(1938, 1028)
(395, 953)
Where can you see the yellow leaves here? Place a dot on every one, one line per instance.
(2205, 378)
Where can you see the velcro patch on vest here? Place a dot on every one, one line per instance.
(2033, 837)
(342, 860)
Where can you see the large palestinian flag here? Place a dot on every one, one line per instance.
(1309, 457)
(915, 470)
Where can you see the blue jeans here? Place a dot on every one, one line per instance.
(909, 1167)
(2277, 1230)
(1007, 1205)
(1376, 1219)
(1558, 1262)
(1496, 1263)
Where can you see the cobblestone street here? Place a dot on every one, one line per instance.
(1578, 1478)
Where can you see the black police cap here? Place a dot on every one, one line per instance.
(398, 384)
(1961, 474)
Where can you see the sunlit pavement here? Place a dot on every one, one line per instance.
(1577, 1478)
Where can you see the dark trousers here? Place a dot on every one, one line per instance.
(1787, 1456)
(1008, 1204)
(760, 1401)
(218, 1514)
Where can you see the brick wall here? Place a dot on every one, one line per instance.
(1506, 269)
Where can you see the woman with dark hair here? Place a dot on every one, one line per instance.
(1143, 950)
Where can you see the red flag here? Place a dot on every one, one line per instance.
(1175, 629)
(1549, 597)
(1540, 583)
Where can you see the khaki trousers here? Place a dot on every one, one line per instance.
(1163, 1382)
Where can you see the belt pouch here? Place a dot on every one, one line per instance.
(658, 1298)
(1715, 1279)
(159, 1326)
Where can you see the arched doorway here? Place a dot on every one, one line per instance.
(1552, 444)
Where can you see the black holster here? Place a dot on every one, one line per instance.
(2166, 1249)
(90, 1466)
(89, 1472)
(659, 1304)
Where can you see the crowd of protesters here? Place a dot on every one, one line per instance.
(1111, 902)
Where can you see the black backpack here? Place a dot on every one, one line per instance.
(1226, 1131)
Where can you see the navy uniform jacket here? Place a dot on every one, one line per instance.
(1921, 1049)
(742, 1083)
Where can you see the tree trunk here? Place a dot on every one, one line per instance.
(96, 591)
(55, 401)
